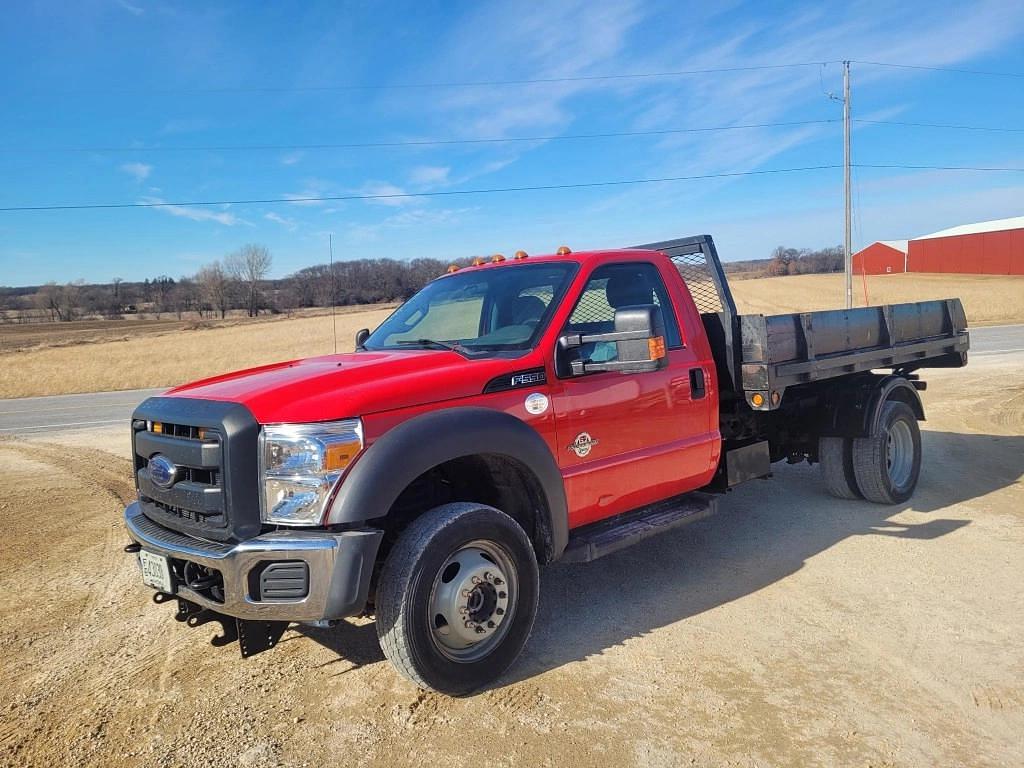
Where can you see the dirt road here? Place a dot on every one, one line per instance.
(791, 629)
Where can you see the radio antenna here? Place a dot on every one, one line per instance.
(334, 318)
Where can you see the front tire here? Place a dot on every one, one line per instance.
(457, 597)
(888, 463)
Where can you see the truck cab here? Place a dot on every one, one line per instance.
(512, 413)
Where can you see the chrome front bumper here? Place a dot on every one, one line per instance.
(340, 568)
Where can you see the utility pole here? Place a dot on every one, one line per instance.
(847, 236)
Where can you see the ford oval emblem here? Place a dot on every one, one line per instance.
(162, 471)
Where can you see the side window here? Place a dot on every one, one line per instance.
(614, 286)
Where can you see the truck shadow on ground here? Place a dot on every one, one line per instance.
(762, 533)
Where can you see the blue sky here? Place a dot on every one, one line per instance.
(104, 75)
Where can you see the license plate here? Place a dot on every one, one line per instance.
(155, 571)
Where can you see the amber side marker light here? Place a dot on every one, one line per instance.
(340, 455)
(757, 399)
(656, 346)
(497, 258)
(563, 250)
(520, 255)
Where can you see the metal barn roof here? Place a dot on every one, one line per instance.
(997, 225)
(899, 245)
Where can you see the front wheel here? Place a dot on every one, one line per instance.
(888, 463)
(457, 597)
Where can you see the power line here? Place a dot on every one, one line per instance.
(940, 125)
(457, 83)
(938, 69)
(501, 139)
(402, 195)
(419, 142)
(938, 167)
(496, 190)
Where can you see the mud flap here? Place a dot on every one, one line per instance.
(253, 636)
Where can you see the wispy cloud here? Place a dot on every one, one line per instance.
(131, 8)
(418, 218)
(429, 175)
(194, 213)
(138, 171)
(291, 158)
(382, 189)
(290, 224)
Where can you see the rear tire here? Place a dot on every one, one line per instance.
(835, 454)
(457, 597)
(888, 463)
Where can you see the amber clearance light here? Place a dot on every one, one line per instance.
(563, 250)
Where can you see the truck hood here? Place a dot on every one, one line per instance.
(348, 385)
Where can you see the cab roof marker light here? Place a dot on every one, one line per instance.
(478, 261)
(453, 268)
(497, 258)
(520, 255)
(563, 250)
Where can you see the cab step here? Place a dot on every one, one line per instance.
(602, 538)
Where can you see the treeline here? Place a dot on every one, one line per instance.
(789, 261)
(236, 283)
(239, 283)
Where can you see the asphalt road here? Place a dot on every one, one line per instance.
(42, 415)
(61, 413)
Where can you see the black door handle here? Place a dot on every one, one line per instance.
(697, 390)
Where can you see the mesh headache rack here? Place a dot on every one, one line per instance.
(697, 261)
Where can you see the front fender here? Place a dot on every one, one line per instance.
(405, 452)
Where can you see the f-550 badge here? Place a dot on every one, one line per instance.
(582, 444)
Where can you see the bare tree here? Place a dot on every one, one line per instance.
(249, 265)
(215, 287)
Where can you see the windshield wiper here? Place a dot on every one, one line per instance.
(434, 343)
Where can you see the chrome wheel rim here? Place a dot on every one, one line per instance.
(899, 453)
(472, 601)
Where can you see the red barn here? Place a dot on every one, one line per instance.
(986, 248)
(881, 258)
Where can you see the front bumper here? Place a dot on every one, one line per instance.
(340, 568)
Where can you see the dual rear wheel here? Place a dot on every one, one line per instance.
(883, 467)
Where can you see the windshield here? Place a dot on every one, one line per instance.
(478, 311)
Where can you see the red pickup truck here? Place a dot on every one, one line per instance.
(512, 413)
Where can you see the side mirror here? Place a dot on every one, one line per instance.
(639, 339)
(361, 336)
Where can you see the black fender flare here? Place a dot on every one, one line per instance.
(853, 410)
(415, 446)
(892, 387)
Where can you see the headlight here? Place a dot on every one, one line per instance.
(300, 465)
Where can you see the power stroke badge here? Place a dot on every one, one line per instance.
(582, 445)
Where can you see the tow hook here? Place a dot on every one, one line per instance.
(253, 636)
(132, 547)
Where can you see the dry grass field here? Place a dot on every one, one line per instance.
(174, 356)
(988, 299)
(55, 359)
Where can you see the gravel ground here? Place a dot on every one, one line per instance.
(790, 629)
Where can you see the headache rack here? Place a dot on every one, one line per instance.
(759, 356)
